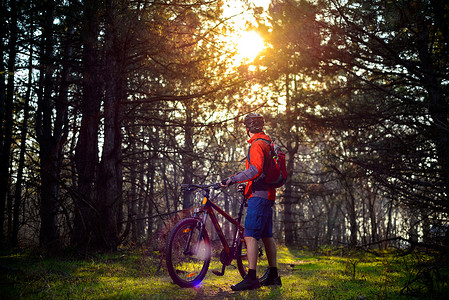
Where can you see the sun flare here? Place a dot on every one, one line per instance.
(249, 45)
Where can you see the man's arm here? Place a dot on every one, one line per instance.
(255, 169)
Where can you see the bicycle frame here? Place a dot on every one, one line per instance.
(189, 250)
(208, 207)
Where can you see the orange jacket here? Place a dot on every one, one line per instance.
(258, 151)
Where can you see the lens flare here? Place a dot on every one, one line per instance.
(249, 45)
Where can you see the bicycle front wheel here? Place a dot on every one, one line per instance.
(188, 253)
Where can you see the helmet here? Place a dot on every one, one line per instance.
(254, 122)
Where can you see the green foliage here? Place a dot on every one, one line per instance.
(133, 275)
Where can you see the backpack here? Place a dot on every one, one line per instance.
(274, 169)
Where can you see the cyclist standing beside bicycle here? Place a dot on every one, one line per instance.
(261, 198)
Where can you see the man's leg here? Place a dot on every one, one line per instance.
(270, 249)
(250, 281)
(252, 252)
(253, 227)
(271, 277)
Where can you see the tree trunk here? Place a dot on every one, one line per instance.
(187, 157)
(372, 214)
(133, 214)
(142, 203)
(350, 205)
(150, 197)
(86, 151)
(21, 165)
(110, 172)
(437, 101)
(3, 74)
(413, 223)
(331, 218)
(389, 223)
(292, 148)
(48, 146)
(289, 205)
(6, 115)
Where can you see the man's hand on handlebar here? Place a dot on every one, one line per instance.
(226, 182)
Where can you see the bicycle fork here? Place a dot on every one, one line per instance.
(200, 235)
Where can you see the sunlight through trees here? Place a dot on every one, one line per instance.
(107, 107)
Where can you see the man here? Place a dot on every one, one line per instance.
(259, 217)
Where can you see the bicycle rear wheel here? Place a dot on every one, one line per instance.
(188, 253)
(242, 260)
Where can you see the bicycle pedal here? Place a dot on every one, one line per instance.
(218, 273)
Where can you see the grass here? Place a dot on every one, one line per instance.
(132, 275)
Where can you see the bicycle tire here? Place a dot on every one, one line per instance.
(188, 269)
(242, 259)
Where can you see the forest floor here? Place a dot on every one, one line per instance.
(141, 274)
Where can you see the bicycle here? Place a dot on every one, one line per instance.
(188, 252)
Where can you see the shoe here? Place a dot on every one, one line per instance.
(267, 280)
(246, 284)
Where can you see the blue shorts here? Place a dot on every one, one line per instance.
(259, 218)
